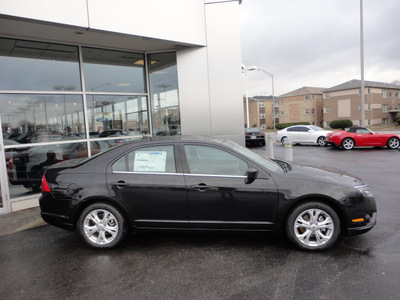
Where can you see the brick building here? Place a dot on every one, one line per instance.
(301, 105)
(260, 112)
(381, 103)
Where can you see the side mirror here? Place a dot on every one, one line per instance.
(251, 176)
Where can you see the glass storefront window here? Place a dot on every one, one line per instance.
(27, 65)
(42, 104)
(113, 71)
(163, 80)
(117, 115)
(25, 166)
(33, 118)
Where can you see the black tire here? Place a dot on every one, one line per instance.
(348, 143)
(319, 233)
(321, 141)
(283, 140)
(102, 226)
(393, 143)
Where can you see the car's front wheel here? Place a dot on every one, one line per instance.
(348, 144)
(101, 225)
(321, 141)
(313, 226)
(393, 143)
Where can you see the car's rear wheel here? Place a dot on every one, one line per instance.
(313, 226)
(283, 140)
(393, 143)
(321, 141)
(348, 144)
(101, 225)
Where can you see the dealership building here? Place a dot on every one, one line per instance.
(80, 76)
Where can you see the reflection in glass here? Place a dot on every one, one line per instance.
(27, 65)
(163, 81)
(117, 115)
(113, 71)
(28, 118)
(25, 166)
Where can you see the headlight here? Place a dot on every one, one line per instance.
(365, 191)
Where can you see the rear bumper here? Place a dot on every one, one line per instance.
(60, 221)
(258, 140)
(56, 212)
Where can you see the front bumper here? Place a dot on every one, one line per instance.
(363, 228)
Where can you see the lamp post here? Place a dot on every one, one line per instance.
(254, 68)
(245, 70)
(362, 64)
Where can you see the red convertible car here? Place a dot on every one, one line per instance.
(362, 137)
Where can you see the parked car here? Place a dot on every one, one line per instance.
(187, 183)
(303, 134)
(254, 136)
(362, 137)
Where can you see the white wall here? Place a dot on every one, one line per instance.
(224, 65)
(71, 12)
(173, 20)
(210, 81)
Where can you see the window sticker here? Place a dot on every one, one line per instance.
(150, 161)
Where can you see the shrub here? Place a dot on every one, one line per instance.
(284, 125)
(397, 121)
(340, 124)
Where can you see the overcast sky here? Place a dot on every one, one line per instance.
(317, 42)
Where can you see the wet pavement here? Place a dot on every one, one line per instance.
(50, 263)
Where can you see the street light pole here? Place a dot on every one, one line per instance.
(273, 94)
(244, 69)
(362, 64)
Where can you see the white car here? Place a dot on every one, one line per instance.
(303, 134)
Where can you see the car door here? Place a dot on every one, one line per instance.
(219, 198)
(303, 135)
(150, 183)
(293, 133)
(364, 137)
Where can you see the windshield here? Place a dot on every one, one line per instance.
(264, 162)
(253, 129)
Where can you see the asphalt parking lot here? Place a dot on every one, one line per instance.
(50, 263)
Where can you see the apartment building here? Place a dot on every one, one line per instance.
(302, 105)
(260, 112)
(381, 103)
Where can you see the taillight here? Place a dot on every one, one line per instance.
(45, 186)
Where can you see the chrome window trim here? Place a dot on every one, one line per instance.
(220, 176)
(147, 173)
(180, 174)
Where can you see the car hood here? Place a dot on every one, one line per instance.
(324, 174)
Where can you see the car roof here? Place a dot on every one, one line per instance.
(177, 139)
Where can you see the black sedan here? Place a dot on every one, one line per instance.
(254, 136)
(187, 183)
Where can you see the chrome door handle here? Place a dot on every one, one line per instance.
(202, 187)
(120, 184)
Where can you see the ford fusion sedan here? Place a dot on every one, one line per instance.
(188, 183)
(303, 134)
(362, 137)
